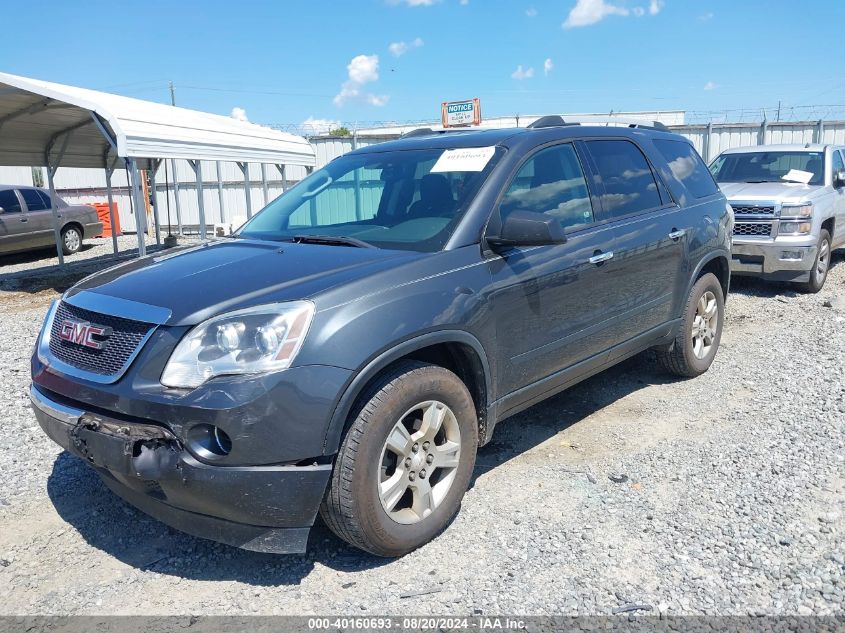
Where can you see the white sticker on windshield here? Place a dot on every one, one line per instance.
(796, 175)
(464, 159)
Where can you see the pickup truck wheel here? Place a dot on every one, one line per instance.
(818, 274)
(405, 463)
(693, 350)
(71, 240)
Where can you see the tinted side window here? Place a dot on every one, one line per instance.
(688, 167)
(629, 185)
(45, 198)
(32, 199)
(9, 201)
(837, 162)
(551, 182)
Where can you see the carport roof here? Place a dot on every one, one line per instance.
(35, 114)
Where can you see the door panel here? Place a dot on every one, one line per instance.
(14, 228)
(839, 202)
(40, 218)
(551, 307)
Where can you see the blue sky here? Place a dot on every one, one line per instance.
(284, 62)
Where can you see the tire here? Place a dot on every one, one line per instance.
(71, 240)
(353, 506)
(818, 274)
(692, 352)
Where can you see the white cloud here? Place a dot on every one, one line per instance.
(531, 12)
(397, 49)
(464, 2)
(706, 16)
(363, 69)
(414, 3)
(522, 73)
(710, 86)
(548, 66)
(239, 114)
(315, 126)
(588, 12)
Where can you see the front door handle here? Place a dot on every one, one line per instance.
(677, 234)
(24, 219)
(600, 258)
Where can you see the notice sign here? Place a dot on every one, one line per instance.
(461, 113)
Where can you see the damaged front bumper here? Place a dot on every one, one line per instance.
(259, 508)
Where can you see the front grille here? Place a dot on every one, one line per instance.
(756, 229)
(127, 336)
(752, 210)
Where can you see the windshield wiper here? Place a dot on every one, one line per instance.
(757, 182)
(331, 240)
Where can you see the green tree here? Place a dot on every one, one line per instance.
(341, 131)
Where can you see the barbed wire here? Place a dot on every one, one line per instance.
(771, 114)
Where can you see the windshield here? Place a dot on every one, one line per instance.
(408, 200)
(805, 167)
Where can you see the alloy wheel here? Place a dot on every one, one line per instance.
(705, 324)
(419, 461)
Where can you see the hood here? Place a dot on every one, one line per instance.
(197, 282)
(777, 192)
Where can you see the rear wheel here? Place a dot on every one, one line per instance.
(818, 274)
(405, 463)
(71, 240)
(694, 349)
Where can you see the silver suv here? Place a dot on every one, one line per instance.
(26, 221)
(789, 210)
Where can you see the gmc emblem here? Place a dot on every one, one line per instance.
(84, 333)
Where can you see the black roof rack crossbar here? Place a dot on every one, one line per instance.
(555, 120)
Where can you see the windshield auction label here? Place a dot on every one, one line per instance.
(464, 159)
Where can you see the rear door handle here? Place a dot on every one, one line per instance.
(677, 234)
(599, 258)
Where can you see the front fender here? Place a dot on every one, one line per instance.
(374, 366)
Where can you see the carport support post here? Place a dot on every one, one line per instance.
(137, 200)
(176, 196)
(284, 173)
(110, 198)
(220, 193)
(820, 131)
(153, 170)
(264, 184)
(247, 188)
(197, 165)
(708, 141)
(54, 203)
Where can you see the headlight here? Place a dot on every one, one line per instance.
(797, 211)
(795, 228)
(251, 341)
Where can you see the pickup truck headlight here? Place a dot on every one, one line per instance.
(797, 211)
(251, 341)
(795, 228)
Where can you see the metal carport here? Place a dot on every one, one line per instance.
(52, 125)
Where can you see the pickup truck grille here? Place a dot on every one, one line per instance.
(127, 336)
(753, 229)
(752, 210)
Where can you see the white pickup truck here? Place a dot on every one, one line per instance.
(789, 209)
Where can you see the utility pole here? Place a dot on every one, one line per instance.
(170, 240)
(778, 117)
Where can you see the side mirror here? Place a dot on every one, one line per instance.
(2, 210)
(839, 178)
(526, 228)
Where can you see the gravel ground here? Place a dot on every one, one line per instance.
(719, 495)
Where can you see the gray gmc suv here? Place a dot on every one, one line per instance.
(348, 350)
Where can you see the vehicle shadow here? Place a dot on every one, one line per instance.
(109, 524)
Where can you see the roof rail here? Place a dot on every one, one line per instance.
(552, 120)
(420, 131)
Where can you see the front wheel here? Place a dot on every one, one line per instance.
(694, 349)
(818, 274)
(405, 463)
